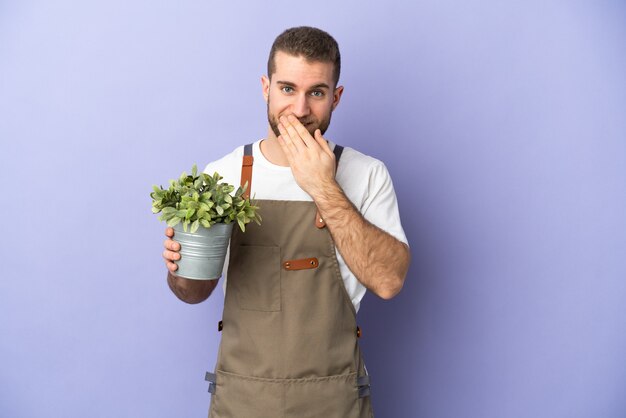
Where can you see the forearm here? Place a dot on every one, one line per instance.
(189, 290)
(377, 259)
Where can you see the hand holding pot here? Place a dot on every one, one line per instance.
(187, 290)
(171, 254)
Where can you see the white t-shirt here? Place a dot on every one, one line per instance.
(364, 180)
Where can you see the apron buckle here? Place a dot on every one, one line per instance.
(210, 377)
(363, 383)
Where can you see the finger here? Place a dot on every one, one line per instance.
(171, 245)
(287, 140)
(299, 144)
(301, 130)
(171, 255)
(287, 150)
(169, 231)
(323, 143)
(171, 266)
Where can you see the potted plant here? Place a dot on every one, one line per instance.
(202, 211)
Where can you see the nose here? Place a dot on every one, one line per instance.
(300, 106)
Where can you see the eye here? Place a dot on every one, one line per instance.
(317, 93)
(286, 89)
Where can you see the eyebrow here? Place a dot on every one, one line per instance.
(316, 86)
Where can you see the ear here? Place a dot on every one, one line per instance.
(337, 96)
(265, 83)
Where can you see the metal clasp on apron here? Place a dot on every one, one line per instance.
(210, 377)
(363, 383)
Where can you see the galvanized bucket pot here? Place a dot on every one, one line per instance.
(202, 253)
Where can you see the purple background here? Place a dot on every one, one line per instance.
(503, 126)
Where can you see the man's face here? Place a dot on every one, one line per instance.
(302, 88)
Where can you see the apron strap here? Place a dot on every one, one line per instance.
(337, 151)
(246, 169)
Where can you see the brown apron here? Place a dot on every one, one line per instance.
(289, 335)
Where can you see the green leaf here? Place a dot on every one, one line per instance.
(194, 170)
(167, 217)
(174, 221)
(242, 226)
(205, 223)
(194, 226)
(220, 210)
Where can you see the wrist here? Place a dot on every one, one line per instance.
(324, 191)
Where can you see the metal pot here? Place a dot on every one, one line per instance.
(202, 253)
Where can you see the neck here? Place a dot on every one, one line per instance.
(272, 151)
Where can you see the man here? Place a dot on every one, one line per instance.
(293, 285)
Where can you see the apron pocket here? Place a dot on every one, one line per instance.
(255, 277)
(245, 397)
(328, 397)
(239, 396)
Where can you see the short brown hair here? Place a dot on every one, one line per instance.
(311, 43)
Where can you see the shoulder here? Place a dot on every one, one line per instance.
(356, 167)
(225, 161)
(362, 177)
(356, 159)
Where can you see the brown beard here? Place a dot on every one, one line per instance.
(321, 125)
